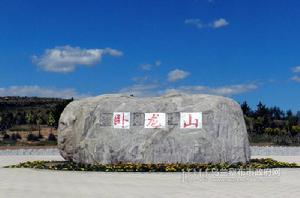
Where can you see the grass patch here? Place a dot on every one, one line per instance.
(254, 164)
(274, 140)
(45, 143)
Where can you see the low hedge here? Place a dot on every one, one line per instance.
(254, 164)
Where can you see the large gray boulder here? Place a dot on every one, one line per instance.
(86, 134)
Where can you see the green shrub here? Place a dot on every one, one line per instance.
(269, 131)
(32, 137)
(277, 131)
(273, 131)
(15, 136)
(52, 137)
(295, 130)
(6, 136)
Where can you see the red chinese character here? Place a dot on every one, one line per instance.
(124, 120)
(153, 121)
(117, 119)
(190, 123)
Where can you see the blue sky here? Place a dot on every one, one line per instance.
(245, 49)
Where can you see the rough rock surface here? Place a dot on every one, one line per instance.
(223, 138)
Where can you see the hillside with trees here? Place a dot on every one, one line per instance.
(271, 125)
(29, 118)
(30, 110)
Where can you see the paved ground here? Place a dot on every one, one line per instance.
(42, 183)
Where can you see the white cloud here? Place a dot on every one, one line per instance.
(233, 89)
(296, 69)
(222, 91)
(148, 67)
(177, 74)
(141, 90)
(195, 22)
(157, 63)
(215, 24)
(155, 89)
(140, 79)
(220, 23)
(112, 52)
(296, 78)
(40, 92)
(64, 59)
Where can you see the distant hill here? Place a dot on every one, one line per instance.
(11, 102)
(30, 110)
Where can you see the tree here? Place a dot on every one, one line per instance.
(291, 120)
(7, 120)
(58, 109)
(259, 125)
(29, 118)
(38, 122)
(262, 113)
(1, 122)
(262, 110)
(276, 113)
(246, 109)
(51, 120)
(20, 118)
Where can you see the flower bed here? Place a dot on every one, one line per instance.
(254, 164)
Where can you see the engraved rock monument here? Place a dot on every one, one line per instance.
(167, 129)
